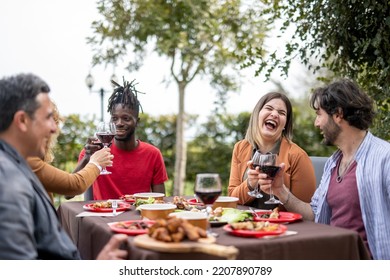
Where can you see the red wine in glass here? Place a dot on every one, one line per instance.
(208, 188)
(267, 165)
(270, 170)
(105, 137)
(208, 197)
(105, 133)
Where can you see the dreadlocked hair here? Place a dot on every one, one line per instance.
(127, 95)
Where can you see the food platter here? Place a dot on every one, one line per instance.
(140, 227)
(203, 245)
(284, 217)
(128, 198)
(193, 201)
(253, 233)
(122, 206)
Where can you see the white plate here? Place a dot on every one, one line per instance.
(227, 199)
(148, 194)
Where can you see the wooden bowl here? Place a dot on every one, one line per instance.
(156, 211)
(198, 219)
(226, 202)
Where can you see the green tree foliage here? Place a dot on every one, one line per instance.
(349, 37)
(211, 150)
(161, 132)
(200, 38)
(71, 140)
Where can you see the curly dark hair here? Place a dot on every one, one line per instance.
(345, 95)
(127, 95)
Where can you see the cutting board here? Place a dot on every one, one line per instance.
(203, 245)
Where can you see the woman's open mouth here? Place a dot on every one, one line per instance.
(270, 124)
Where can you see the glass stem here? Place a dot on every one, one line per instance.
(209, 230)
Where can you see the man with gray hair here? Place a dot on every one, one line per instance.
(29, 227)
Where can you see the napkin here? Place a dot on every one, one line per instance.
(287, 233)
(98, 214)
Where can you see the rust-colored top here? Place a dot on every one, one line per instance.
(61, 182)
(298, 175)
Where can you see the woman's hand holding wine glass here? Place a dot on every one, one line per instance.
(105, 133)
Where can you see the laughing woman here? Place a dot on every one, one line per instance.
(270, 130)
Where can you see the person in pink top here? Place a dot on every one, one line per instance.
(137, 166)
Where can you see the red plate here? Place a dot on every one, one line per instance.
(127, 198)
(252, 233)
(114, 227)
(122, 206)
(284, 217)
(193, 201)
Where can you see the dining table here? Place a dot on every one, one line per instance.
(308, 240)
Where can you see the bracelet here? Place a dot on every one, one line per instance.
(97, 165)
(249, 185)
(288, 198)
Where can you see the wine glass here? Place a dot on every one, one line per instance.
(267, 165)
(105, 133)
(208, 188)
(256, 162)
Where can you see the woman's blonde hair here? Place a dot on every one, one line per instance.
(49, 154)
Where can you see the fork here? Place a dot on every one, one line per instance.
(254, 212)
(114, 206)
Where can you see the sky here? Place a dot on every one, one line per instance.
(48, 38)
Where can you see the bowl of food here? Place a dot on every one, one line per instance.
(198, 219)
(226, 202)
(147, 195)
(156, 211)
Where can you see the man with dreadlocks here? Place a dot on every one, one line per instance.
(138, 166)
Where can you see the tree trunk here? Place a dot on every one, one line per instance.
(181, 145)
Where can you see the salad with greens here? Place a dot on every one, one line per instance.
(230, 215)
(140, 201)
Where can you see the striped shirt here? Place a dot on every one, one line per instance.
(373, 183)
